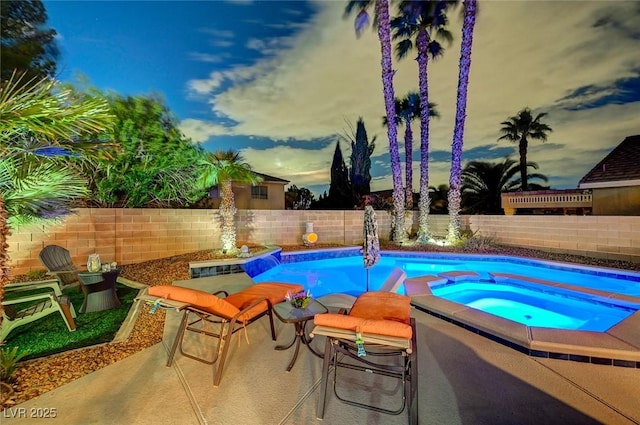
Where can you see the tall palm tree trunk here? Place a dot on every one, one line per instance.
(408, 151)
(523, 145)
(422, 41)
(4, 256)
(227, 212)
(384, 34)
(455, 176)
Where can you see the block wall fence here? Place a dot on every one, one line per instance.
(134, 235)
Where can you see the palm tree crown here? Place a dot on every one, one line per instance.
(519, 129)
(483, 182)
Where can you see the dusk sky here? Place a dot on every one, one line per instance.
(280, 81)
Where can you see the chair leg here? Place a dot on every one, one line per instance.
(67, 313)
(328, 354)
(183, 325)
(413, 378)
(273, 329)
(226, 341)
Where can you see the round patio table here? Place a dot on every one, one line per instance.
(99, 291)
(299, 317)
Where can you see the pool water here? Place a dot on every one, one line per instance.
(348, 275)
(547, 309)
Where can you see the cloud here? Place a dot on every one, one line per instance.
(323, 75)
(200, 131)
(206, 57)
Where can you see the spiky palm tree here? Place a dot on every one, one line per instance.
(519, 129)
(223, 168)
(455, 176)
(43, 127)
(407, 110)
(483, 182)
(420, 25)
(399, 233)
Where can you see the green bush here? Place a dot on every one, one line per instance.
(9, 358)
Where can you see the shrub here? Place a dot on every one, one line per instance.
(9, 358)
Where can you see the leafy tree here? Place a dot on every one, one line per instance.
(41, 130)
(340, 194)
(361, 150)
(455, 176)
(424, 21)
(519, 129)
(483, 182)
(223, 168)
(399, 232)
(26, 44)
(298, 198)
(153, 163)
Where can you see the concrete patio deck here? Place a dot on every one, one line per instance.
(463, 379)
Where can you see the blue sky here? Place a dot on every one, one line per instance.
(281, 80)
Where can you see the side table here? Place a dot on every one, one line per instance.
(299, 317)
(99, 290)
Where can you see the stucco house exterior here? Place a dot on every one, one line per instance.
(266, 195)
(615, 181)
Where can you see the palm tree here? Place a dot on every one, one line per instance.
(407, 110)
(426, 22)
(399, 233)
(519, 129)
(470, 10)
(483, 182)
(223, 168)
(42, 126)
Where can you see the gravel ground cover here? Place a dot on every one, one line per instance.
(35, 377)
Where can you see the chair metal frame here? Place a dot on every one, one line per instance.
(228, 327)
(339, 347)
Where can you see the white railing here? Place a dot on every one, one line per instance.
(547, 199)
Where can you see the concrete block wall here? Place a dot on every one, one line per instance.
(134, 235)
(611, 237)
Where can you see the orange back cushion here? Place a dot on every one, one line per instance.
(382, 306)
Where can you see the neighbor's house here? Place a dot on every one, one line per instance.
(612, 187)
(266, 195)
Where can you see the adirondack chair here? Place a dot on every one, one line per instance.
(58, 261)
(50, 300)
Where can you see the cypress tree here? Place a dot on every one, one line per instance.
(361, 151)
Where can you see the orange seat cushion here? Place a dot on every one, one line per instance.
(198, 299)
(365, 326)
(273, 291)
(382, 306)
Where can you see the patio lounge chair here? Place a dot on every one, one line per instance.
(377, 336)
(232, 313)
(50, 301)
(58, 262)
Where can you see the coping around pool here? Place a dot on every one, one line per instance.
(617, 346)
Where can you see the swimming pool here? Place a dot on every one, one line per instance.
(536, 306)
(614, 343)
(345, 271)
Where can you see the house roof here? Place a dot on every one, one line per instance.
(620, 165)
(269, 178)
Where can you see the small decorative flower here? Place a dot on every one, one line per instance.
(300, 299)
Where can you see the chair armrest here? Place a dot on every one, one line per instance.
(226, 294)
(250, 306)
(40, 284)
(164, 303)
(30, 298)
